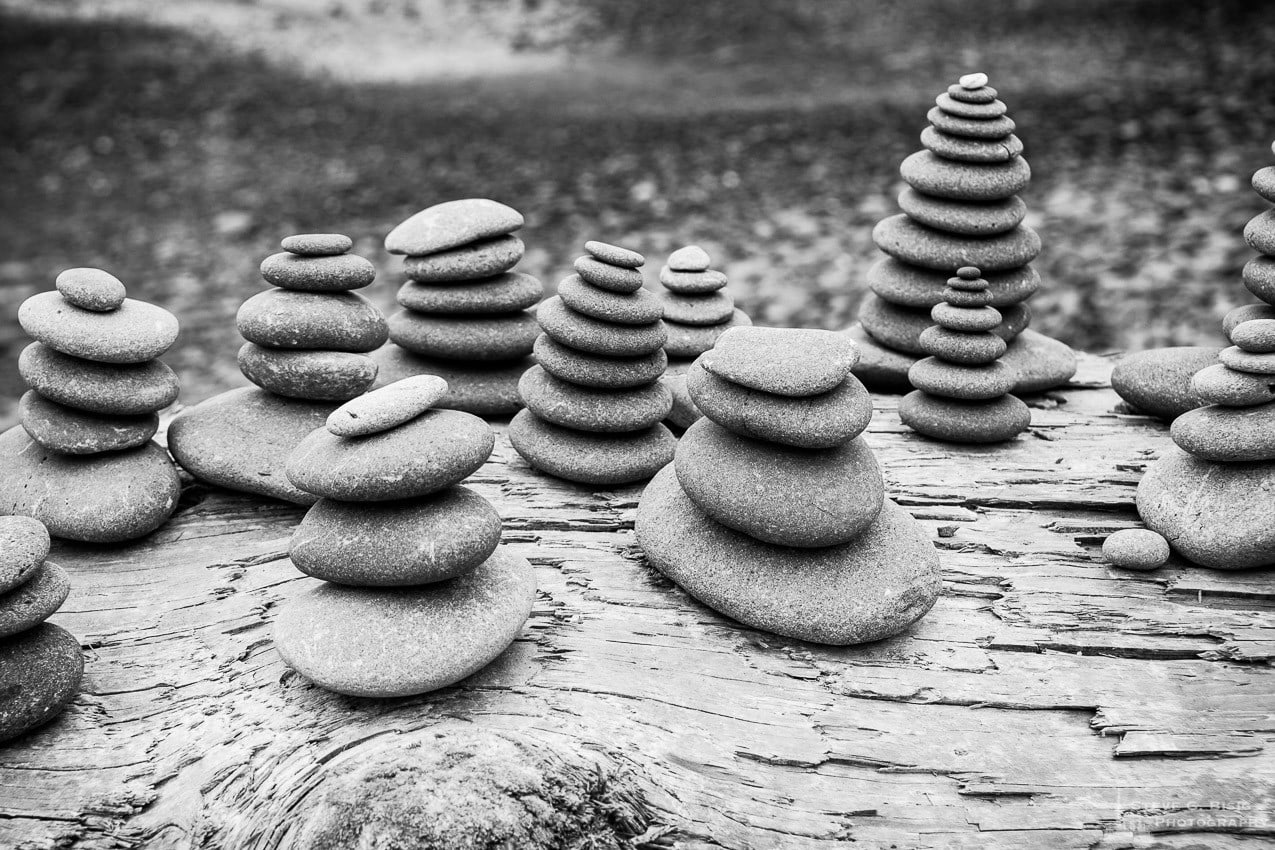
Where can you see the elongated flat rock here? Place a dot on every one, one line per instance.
(387, 407)
(589, 458)
(965, 181)
(132, 333)
(338, 273)
(585, 333)
(307, 374)
(503, 293)
(509, 336)
(794, 362)
(76, 432)
(452, 224)
(124, 389)
(592, 409)
(474, 261)
(596, 370)
(334, 321)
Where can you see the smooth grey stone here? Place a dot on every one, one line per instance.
(613, 255)
(692, 283)
(76, 432)
(712, 308)
(1246, 313)
(1136, 549)
(901, 328)
(1220, 384)
(333, 321)
(1264, 182)
(1245, 361)
(474, 261)
(970, 128)
(594, 370)
(91, 289)
(640, 307)
(690, 258)
(966, 109)
(34, 601)
(1256, 336)
(338, 273)
(970, 349)
(684, 412)
(24, 544)
(963, 217)
(966, 319)
(592, 336)
(912, 286)
(504, 293)
(968, 383)
(452, 224)
(611, 278)
(982, 94)
(591, 409)
(116, 389)
(1227, 434)
(795, 362)
(316, 244)
(694, 340)
(1259, 233)
(132, 333)
(918, 245)
(483, 388)
(473, 338)
(965, 181)
(971, 150)
(41, 670)
(387, 407)
(957, 421)
(1158, 382)
(590, 458)
(305, 374)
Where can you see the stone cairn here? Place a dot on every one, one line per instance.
(83, 461)
(307, 348)
(773, 510)
(1211, 496)
(416, 592)
(596, 401)
(697, 310)
(962, 388)
(40, 664)
(961, 208)
(465, 314)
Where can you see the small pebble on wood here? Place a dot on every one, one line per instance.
(1136, 549)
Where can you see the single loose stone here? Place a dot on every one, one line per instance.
(77, 432)
(1256, 336)
(484, 388)
(611, 278)
(784, 361)
(964, 181)
(961, 421)
(613, 255)
(452, 224)
(1159, 382)
(912, 286)
(971, 150)
(117, 389)
(692, 283)
(971, 128)
(973, 81)
(474, 261)
(34, 601)
(1245, 361)
(133, 333)
(317, 244)
(968, 348)
(590, 458)
(587, 334)
(593, 370)
(952, 380)
(91, 289)
(1259, 233)
(590, 409)
(335, 321)
(1219, 384)
(693, 340)
(639, 307)
(504, 293)
(395, 544)
(41, 670)
(1227, 434)
(970, 320)
(24, 544)
(306, 374)
(474, 338)
(1247, 313)
(387, 407)
(1136, 549)
(691, 258)
(338, 273)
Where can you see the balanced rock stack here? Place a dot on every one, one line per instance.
(465, 314)
(596, 401)
(417, 593)
(306, 351)
(40, 664)
(83, 461)
(773, 511)
(697, 310)
(961, 209)
(1212, 495)
(962, 388)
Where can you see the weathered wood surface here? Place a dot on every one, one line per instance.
(1047, 700)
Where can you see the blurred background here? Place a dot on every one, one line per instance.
(175, 143)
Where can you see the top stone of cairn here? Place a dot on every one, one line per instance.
(782, 361)
(452, 224)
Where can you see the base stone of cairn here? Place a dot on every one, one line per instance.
(596, 401)
(416, 592)
(306, 352)
(961, 208)
(466, 315)
(773, 511)
(1211, 497)
(697, 310)
(82, 461)
(41, 664)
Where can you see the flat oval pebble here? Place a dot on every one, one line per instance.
(784, 361)
(963, 217)
(306, 374)
(971, 150)
(692, 283)
(1256, 336)
(691, 258)
(711, 308)
(1259, 233)
(484, 388)
(689, 341)
(1227, 434)
(965, 181)
(77, 432)
(91, 289)
(1220, 384)
(1158, 382)
(102, 498)
(912, 286)
(868, 589)
(133, 333)
(370, 642)
(591, 458)
(968, 348)
(387, 407)
(41, 670)
(969, 319)
(1264, 182)
(964, 109)
(973, 82)
(338, 273)
(317, 244)
(504, 293)
(814, 422)
(474, 261)
(611, 278)
(978, 94)
(780, 494)
(435, 450)
(966, 298)
(1245, 361)
(639, 307)
(1247, 313)
(587, 334)
(590, 409)
(24, 544)
(118, 389)
(971, 128)
(34, 601)
(452, 224)
(614, 255)
(593, 370)
(508, 336)
(1136, 549)
(396, 544)
(335, 321)
(958, 421)
(952, 380)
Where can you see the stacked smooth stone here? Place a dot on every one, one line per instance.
(1211, 495)
(596, 401)
(82, 461)
(416, 592)
(465, 313)
(40, 664)
(773, 511)
(961, 208)
(962, 388)
(697, 310)
(308, 339)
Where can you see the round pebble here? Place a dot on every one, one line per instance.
(1256, 336)
(474, 261)
(613, 255)
(1259, 233)
(691, 258)
(1264, 182)
(639, 307)
(504, 293)
(971, 150)
(692, 283)
(306, 374)
(784, 361)
(589, 335)
(1259, 279)
(689, 341)
(333, 321)
(475, 338)
(1136, 549)
(452, 224)
(959, 421)
(592, 370)
(117, 389)
(387, 407)
(952, 380)
(34, 601)
(91, 289)
(1219, 384)
(317, 244)
(590, 409)
(968, 348)
(968, 319)
(712, 308)
(41, 669)
(1245, 361)
(337, 273)
(1227, 434)
(76, 432)
(909, 286)
(1247, 313)
(611, 278)
(591, 458)
(965, 181)
(971, 128)
(973, 81)
(24, 544)
(1159, 382)
(133, 333)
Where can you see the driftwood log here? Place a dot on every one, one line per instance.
(1048, 700)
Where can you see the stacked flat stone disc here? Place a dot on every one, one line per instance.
(962, 388)
(773, 511)
(83, 461)
(596, 401)
(306, 351)
(961, 208)
(1212, 495)
(697, 310)
(40, 664)
(465, 313)
(416, 592)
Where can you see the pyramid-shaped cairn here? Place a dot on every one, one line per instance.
(595, 403)
(1212, 495)
(40, 664)
(465, 313)
(773, 511)
(697, 310)
(961, 209)
(417, 592)
(82, 461)
(306, 351)
(962, 388)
